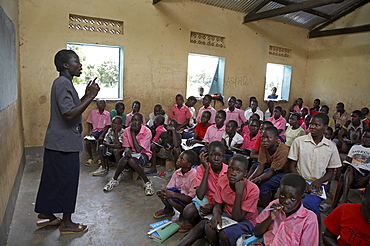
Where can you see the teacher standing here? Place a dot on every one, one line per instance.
(60, 174)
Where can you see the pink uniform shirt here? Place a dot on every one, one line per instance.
(300, 228)
(181, 115)
(129, 116)
(183, 182)
(249, 143)
(143, 138)
(212, 181)
(237, 115)
(280, 124)
(226, 196)
(99, 121)
(214, 134)
(158, 132)
(210, 109)
(298, 110)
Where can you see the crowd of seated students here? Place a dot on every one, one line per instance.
(231, 161)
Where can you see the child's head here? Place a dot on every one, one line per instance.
(200, 90)
(328, 133)
(340, 107)
(191, 101)
(238, 168)
(220, 117)
(300, 102)
(136, 106)
(136, 122)
(173, 123)
(366, 138)
(292, 187)
(269, 137)
(283, 113)
(158, 120)
(101, 104)
(179, 99)
(304, 112)
(238, 103)
(187, 159)
(294, 118)
(254, 104)
(365, 204)
(231, 127)
(116, 122)
(120, 108)
(356, 117)
(265, 124)
(251, 99)
(231, 102)
(316, 103)
(319, 124)
(273, 90)
(157, 109)
(216, 153)
(307, 119)
(324, 109)
(206, 116)
(365, 112)
(207, 100)
(254, 116)
(270, 105)
(254, 126)
(277, 112)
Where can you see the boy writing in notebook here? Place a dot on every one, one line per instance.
(285, 221)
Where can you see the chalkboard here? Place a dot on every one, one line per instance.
(8, 62)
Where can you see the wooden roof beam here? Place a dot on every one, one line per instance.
(289, 9)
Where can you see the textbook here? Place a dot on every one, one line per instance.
(184, 146)
(225, 221)
(162, 230)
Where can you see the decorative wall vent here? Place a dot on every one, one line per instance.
(279, 51)
(207, 39)
(93, 24)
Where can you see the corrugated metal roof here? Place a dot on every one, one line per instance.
(300, 19)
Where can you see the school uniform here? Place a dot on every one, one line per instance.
(214, 134)
(211, 110)
(129, 117)
(280, 124)
(180, 114)
(237, 115)
(144, 139)
(158, 132)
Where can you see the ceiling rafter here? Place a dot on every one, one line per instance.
(310, 11)
(288, 9)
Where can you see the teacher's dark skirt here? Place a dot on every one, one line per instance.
(59, 182)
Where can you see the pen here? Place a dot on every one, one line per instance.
(268, 209)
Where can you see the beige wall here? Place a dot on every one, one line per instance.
(338, 67)
(156, 42)
(11, 140)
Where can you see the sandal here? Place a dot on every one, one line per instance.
(80, 229)
(160, 214)
(185, 227)
(49, 222)
(89, 162)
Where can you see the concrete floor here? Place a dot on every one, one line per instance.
(119, 217)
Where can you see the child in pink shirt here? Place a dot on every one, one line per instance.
(233, 113)
(180, 190)
(305, 125)
(207, 107)
(279, 122)
(251, 134)
(289, 223)
(135, 109)
(99, 122)
(207, 177)
(180, 112)
(158, 127)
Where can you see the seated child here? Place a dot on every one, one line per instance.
(351, 132)
(257, 144)
(207, 107)
(135, 109)
(357, 169)
(316, 107)
(158, 110)
(170, 146)
(239, 104)
(216, 131)
(253, 110)
(180, 112)
(306, 124)
(190, 102)
(119, 111)
(251, 134)
(136, 140)
(289, 223)
(231, 139)
(111, 147)
(180, 191)
(279, 122)
(294, 130)
(328, 134)
(298, 105)
(208, 174)
(270, 110)
(158, 127)
(272, 164)
(314, 157)
(98, 124)
(349, 224)
(365, 112)
(304, 112)
(325, 109)
(200, 132)
(236, 198)
(233, 113)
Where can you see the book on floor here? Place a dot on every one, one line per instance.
(162, 230)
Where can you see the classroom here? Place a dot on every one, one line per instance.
(156, 36)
